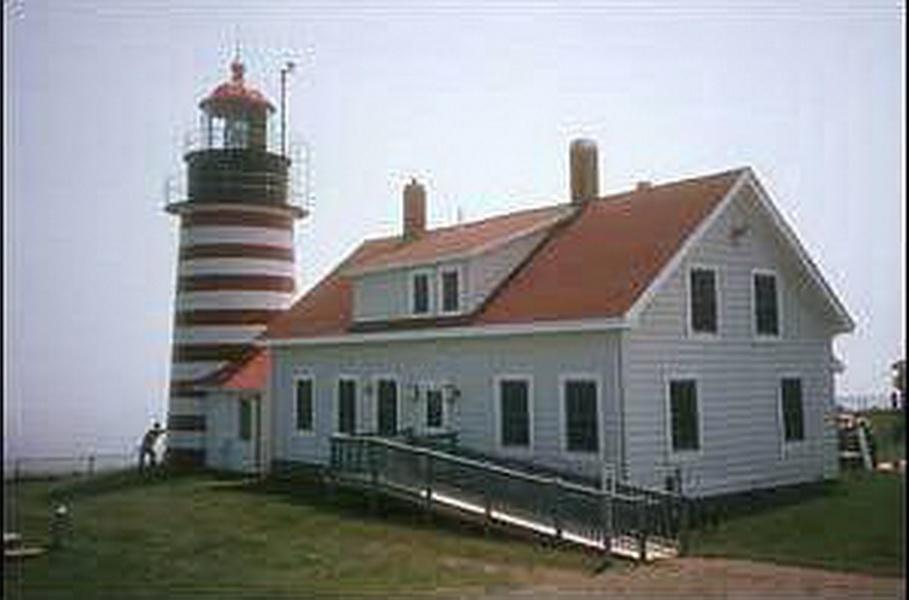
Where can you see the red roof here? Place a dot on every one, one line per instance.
(448, 242)
(249, 375)
(593, 264)
(236, 92)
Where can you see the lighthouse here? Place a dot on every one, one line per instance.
(236, 264)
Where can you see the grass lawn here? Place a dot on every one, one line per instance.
(201, 535)
(853, 524)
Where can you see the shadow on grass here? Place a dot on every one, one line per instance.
(315, 493)
(118, 481)
(710, 511)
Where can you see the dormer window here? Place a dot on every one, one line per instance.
(451, 291)
(419, 293)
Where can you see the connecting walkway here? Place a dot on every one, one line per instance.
(620, 520)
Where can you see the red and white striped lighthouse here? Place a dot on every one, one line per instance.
(236, 261)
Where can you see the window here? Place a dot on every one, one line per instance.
(244, 419)
(683, 407)
(703, 300)
(236, 133)
(347, 405)
(420, 293)
(793, 416)
(434, 409)
(766, 305)
(387, 406)
(304, 403)
(451, 294)
(514, 412)
(581, 416)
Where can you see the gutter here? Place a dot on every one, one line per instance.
(473, 331)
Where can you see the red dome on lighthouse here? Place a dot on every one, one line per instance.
(235, 94)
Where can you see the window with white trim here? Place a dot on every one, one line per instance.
(303, 402)
(702, 300)
(419, 290)
(684, 418)
(581, 415)
(435, 409)
(244, 419)
(347, 405)
(387, 406)
(451, 290)
(765, 296)
(792, 409)
(514, 412)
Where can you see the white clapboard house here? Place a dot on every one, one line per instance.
(675, 327)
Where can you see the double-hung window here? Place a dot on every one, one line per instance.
(765, 300)
(702, 301)
(683, 415)
(581, 415)
(245, 407)
(435, 409)
(792, 410)
(419, 293)
(347, 405)
(451, 290)
(303, 400)
(387, 406)
(514, 412)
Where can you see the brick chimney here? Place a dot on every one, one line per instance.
(414, 210)
(585, 183)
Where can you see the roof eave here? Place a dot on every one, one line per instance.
(467, 331)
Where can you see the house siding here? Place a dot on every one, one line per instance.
(738, 376)
(470, 364)
(223, 447)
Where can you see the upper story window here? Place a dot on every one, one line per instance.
(419, 293)
(702, 291)
(766, 304)
(451, 291)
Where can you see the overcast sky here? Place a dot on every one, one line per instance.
(480, 101)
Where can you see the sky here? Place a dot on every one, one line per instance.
(478, 101)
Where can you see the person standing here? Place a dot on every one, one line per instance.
(147, 449)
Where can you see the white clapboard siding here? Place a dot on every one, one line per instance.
(738, 377)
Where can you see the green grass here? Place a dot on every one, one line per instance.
(854, 524)
(202, 535)
(889, 428)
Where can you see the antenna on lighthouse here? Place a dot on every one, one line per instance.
(285, 71)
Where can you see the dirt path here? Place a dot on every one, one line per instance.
(706, 578)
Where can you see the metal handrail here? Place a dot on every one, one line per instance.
(601, 513)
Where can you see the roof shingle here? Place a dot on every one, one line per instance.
(593, 264)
